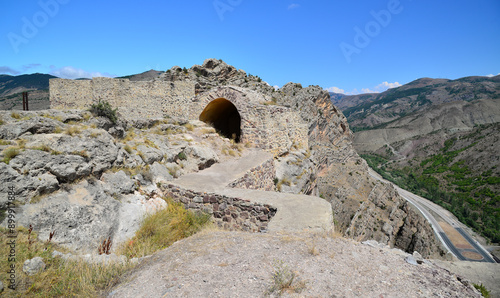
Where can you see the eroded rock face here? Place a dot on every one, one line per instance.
(363, 208)
(85, 184)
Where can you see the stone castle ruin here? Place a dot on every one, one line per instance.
(237, 113)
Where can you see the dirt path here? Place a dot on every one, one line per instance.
(294, 212)
(238, 264)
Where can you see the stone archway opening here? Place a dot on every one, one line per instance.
(224, 117)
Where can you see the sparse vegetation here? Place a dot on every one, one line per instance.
(60, 278)
(284, 181)
(9, 154)
(15, 115)
(127, 149)
(72, 130)
(163, 228)
(189, 126)
(43, 147)
(104, 109)
(483, 290)
(82, 153)
(283, 279)
(447, 180)
(182, 156)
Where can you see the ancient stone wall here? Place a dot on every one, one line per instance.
(229, 213)
(270, 127)
(134, 99)
(259, 178)
(267, 126)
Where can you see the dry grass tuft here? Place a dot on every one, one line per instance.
(285, 280)
(72, 130)
(163, 228)
(9, 154)
(189, 126)
(60, 278)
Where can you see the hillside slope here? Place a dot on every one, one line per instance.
(438, 138)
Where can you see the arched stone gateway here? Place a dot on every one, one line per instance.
(241, 112)
(224, 117)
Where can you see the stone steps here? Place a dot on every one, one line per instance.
(294, 212)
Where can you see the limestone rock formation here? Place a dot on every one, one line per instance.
(67, 167)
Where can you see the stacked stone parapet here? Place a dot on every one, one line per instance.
(258, 178)
(228, 212)
(134, 99)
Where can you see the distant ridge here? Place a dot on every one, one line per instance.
(15, 84)
(145, 76)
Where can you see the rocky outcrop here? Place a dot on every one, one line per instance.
(363, 208)
(87, 185)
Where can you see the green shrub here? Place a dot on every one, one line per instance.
(483, 290)
(182, 156)
(9, 154)
(104, 109)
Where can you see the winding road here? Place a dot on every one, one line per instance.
(425, 207)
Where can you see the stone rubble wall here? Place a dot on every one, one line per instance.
(258, 178)
(270, 127)
(134, 99)
(267, 126)
(229, 213)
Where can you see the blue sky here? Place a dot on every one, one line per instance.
(347, 46)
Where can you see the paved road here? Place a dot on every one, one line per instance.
(423, 205)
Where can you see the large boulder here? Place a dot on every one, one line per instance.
(117, 183)
(202, 157)
(82, 216)
(36, 125)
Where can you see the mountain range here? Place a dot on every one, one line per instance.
(436, 137)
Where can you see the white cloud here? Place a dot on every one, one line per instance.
(377, 89)
(492, 75)
(386, 85)
(6, 69)
(335, 90)
(293, 6)
(69, 72)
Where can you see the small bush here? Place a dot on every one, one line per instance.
(9, 154)
(104, 109)
(285, 280)
(483, 290)
(182, 156)
(15, 115)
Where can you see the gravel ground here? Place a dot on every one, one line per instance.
(238, 264)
